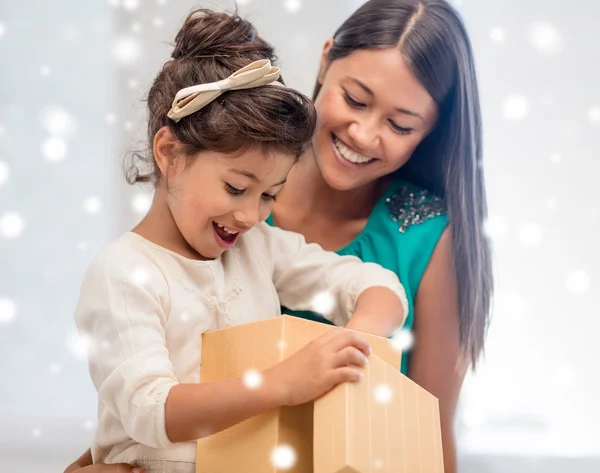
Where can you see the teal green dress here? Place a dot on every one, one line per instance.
(400, 235)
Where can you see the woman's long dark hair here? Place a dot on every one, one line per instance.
(433, 40)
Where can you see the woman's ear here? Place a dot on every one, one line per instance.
(165, 149)
(324, 61)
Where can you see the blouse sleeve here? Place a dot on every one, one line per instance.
(121, 311)
(307, 277)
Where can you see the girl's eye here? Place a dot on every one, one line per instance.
(234, 191)
(268, 197)
(399, 129)
(353, 103)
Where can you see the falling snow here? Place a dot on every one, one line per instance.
(293, 6)
(515, 107)
(4, 173)
(383, 394)
(323, 303)
(54, 149)
(11, 225)
(8, 310)
(252, 379)
(92, 205)
(283, 457)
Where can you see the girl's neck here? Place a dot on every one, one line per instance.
(310, 195)
(158, 226)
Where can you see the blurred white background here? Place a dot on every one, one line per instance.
(73, 77)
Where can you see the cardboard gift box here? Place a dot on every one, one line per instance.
(383, 424)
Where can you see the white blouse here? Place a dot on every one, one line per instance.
(144, 309)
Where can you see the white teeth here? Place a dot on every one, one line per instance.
(231, 232)
(350, 155)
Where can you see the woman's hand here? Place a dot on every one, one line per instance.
(327, 361)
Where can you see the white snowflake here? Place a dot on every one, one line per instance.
(403, 340)
(54, 149)
(141, 202)
(281, 345)
(555, 157)
(530, 234)
(8, 310)
(80, 345)
(252, 379)
(383, 394)
(2, 29)
(551, 202)
(110, 118)
(133, 84)
(545, 37)
(139, 276)
(158, 22)
(164, 2)
(578, 281)
(2, 129)
(36, 432)
(378, 464)
(131, 5)
(293, 6)
(11, 225)
(58, 122)
(283, 457)
(83, 246)
(323, 303)
(136, 27)
(128, 125)
(45, 71)
(88, 425)
(55, 368)
(4, 173)
(92, 205)
(498, 34)
(594, 114)
(495, 227)
(127, 50)
(516, 107)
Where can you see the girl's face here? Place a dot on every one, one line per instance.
(216, 198)
(372, 114)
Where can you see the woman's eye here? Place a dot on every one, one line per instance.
(353, 103)
(399, 129)
(232, 190)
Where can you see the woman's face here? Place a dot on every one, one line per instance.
(372, 114)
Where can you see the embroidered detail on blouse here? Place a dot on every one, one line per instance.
(223, 306)
(412, 207)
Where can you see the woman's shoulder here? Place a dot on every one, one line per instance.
(403, 230)
(409, 206)
(407, 217)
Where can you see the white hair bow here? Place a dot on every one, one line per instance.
(192, 99)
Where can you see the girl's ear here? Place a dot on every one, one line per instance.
(165, 149)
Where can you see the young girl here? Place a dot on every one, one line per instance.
(225, 133)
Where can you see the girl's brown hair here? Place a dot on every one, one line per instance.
(209, 47)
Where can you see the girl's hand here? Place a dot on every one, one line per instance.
(327, 361)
